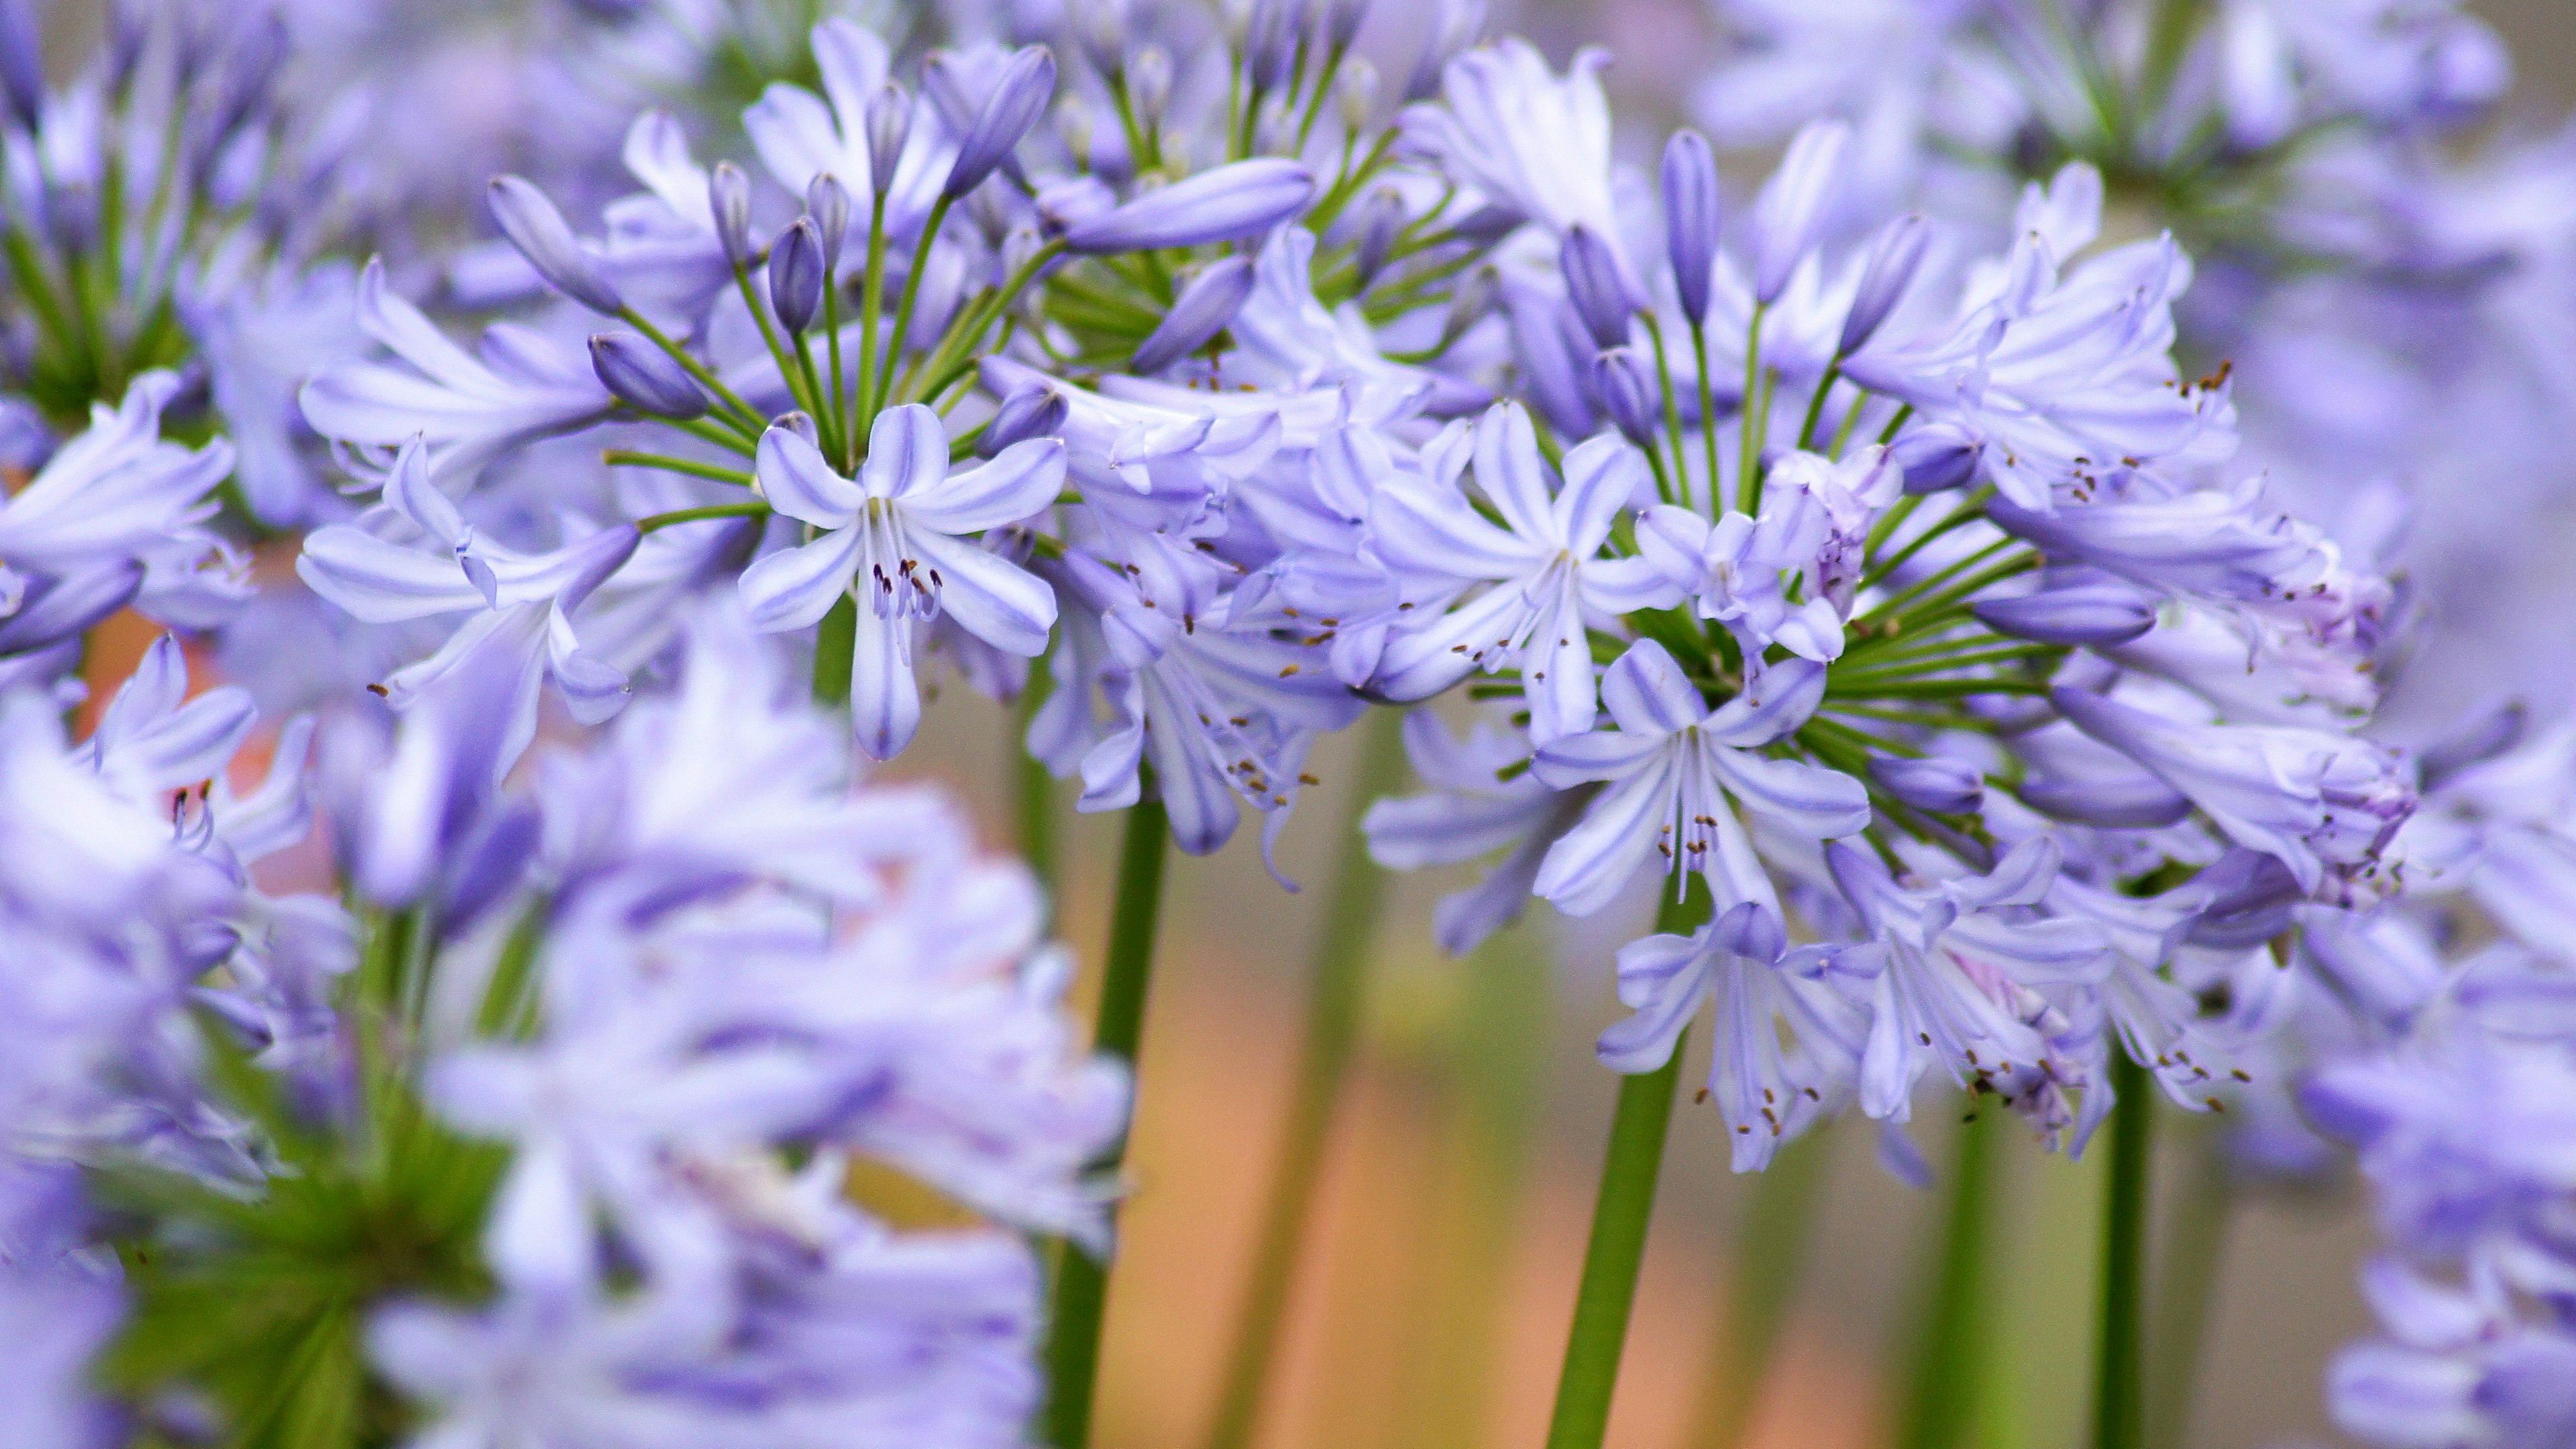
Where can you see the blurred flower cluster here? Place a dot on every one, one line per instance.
(1950, 578)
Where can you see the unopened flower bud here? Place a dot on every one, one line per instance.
(1203, 309)
(1341, 24)
(1469, 304)
(1456, 28)
(1627, 394)
(1691, 219)
(1149, 86)
(2132, 802)
(801, 424)
(1270, 42)
(1936, 457)
(539, 232)
(1355, 93)
(1381, 221)
(889, 124)
(1033, 411)
(2075, 615)
(1893, 260)
(1229, 202)
(22, 64)
(1942, 787)
(796, 275)
(1596, 280)
(1792, 206)
(1026, 88)
(646, 378)
(1100, 28)
(828, 202)
(1073, 128)
(729, 198)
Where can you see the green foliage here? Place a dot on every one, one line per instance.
(259, 1301)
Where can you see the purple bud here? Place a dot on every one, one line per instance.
(1204, 308)
(126, 37)
(796, 275)
(2092, 614)
(828, 202)
(1691, 219)
(2134, 802)
(533, 225)
(729, 198)
(22, 64)
(1627, 394)
(1026, 87)
(1240, 200)
(1149, 86)
(1893, 260)
(1270, 46)
(1942, 787)
(645, 378)
(1031, 411)
(1341, 24)
(889, 124)
(1597, 281)
(1381, 221)
(1469, 304)
(1456, 28)
(1791, 208)
(1100, 28)
(1936, 457)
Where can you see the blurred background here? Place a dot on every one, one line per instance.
(1432, 1307)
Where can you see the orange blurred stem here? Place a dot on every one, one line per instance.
(1629, 1172)
(1332, 1025)
(1082, 1281)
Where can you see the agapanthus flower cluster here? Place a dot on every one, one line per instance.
(1904, 599)
(543, 1132)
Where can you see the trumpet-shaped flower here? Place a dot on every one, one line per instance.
(899, 537)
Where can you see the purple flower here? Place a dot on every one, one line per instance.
(900, 533)
(1674, 771)
(1541, 562)
(465, 410)
(1765, 1093)
(1482, 800)
(1956, 966)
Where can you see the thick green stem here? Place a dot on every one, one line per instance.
(1332, 1025)
(1769, 1254)
(1082, 1281)
(1629, 1172)
(1942, 1406)
(2194, 1247)
(835, 640)
(2119, 1418)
